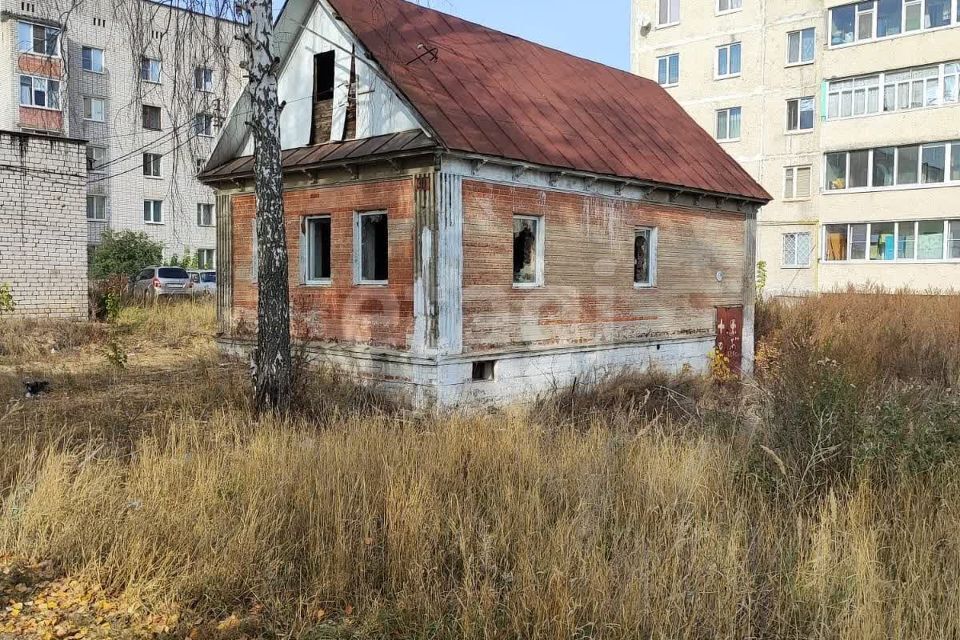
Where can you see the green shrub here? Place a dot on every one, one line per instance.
(7, 303)
(124, 253)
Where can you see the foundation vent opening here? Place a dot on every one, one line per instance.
(484, 370)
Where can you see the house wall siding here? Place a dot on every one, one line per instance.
(342, 312)
(589, 297)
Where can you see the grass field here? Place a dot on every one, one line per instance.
(820, 501)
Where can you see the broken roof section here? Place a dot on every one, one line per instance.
(490, 94)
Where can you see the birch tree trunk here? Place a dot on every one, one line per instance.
(272, 363)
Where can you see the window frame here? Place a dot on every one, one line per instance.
(47, 92)
(88, 157)
(103, 109)
(34, 25)
(148, 77)
(716, 60)
(358, 279)
(953, 22)
(948, 73)
(200, 214)
(143, 114)
(103, 59)
(307, 251)
(716, 123)
(898, 234)
(652, 248)
(800, 61)
(723, 12)
(208, 128)
(795, 235)
(794, 172)
(798, 129)
(539, 267)
(200, 80)
(213, 259)
(156, 161)
(666, 59)
(669, 23)
(951, 149)
(155, 206)
(103, 200)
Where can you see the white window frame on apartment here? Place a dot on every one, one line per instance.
(21, 42)
(792, 239)
(874, 12)
(663, 65)
(791, 181)
(153, 209)
(206, 214)
(203, 125)
(51, 95)
(152, 166)
(308, 251)
(672, 13)
(96, 157)
(951, 171)
(93, 68)
(99, 212)
(728, 111)
(201, 81)
(94, 109)
(143, 111)
(800, 33)
(717, 75)
(206, 259)
(653, 235)
(795, 127)
(539, 265)
(358, 248)
(733, 6)
(151, 70)
(945, 256)
(905, 84)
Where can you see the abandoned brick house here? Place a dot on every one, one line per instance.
(472, 217)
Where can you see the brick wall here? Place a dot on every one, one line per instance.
(342, 311)
(589, 296)
(43, 243)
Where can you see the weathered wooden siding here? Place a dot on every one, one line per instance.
(589, 297)
(341, 312)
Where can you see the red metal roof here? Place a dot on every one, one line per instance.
(494, 94)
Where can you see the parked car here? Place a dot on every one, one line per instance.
(157, 282)
(204, 281)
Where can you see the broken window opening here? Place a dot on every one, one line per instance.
(644, 257)
(527, 251)
(317, 250)
(484, 371)
(324, 72)
(373, 248)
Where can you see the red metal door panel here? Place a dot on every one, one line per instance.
(730, 335)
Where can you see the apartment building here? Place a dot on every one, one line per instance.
(146, 85)
(847, 113)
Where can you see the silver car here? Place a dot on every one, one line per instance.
(204, 281)
(155, 282)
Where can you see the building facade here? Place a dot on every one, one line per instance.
(146, 86)
(43, 233)
(469, 236)
(847, 113)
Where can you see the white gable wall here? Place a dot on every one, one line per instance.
(379, 109)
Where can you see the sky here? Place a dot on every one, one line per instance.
(597, 29)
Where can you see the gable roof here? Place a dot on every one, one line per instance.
(493, 94)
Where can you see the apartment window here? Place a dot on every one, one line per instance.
(96, 208)
(727, 6)
(797, 248)
(858, 241)
(371, 248)
(907, 165)
(96, 156)
(863, 21)
(528, 242)
(150, 70)
(203, 124)
(37, 39)
(92, 59)
(153, 211)
(796, 182)
(668, 70)
(936, 14)
(39, 92)
(152, 118)
(645, 257)
(316, 250)
(206, 258)
(800, 114)
(953, 240)
(927, 240)
(853, 97)
(93, 109)
(889, 17)
(203, 79)
(152, 164)
(933, 163)
(955, 161)
(728, 61)
(728, 124)
(883, 240)
(205, 215)
(906, 240)
(668, 13)
(801, 46)
(930, 238)
(835, 242)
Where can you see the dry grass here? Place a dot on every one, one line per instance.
(643, 509)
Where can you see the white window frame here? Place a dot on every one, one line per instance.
(951, 147)
(716, 119)
(665, 59)
(200, 82)
(652, 242)
(92, 197)
(731, 9)
(155, 160)
(203, 125)
(202, 208)
(91, 154)
(155, 207)
(539, 267)
(953, 22)
(307, 252)
(793, 236)
(949, 70)
(46, 28)
(898, 225)
(36, 83)
(358, 248)
(89, 113)
(154, 72)
(813, 122)
(669, 23)
(103, 58)
(213, 259)
(716, 61)
(793, 172)
(800, 61)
